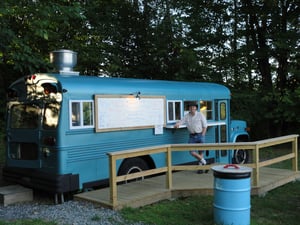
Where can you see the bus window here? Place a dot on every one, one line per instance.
(223, 134)
(87, 114)
(174, 109)
(51, 113)
(82, 114)
(206, 109)
(222, 111)
(24, 116)
(75, 114)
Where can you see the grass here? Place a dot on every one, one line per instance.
(277, 151)
(191, 210)
(280, 206)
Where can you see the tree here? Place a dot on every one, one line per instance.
(272, 30)
(31, 28)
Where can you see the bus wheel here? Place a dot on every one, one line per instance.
(133, 165)
(240, 156)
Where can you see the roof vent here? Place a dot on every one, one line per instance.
(64, 61)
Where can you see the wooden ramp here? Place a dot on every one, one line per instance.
(185, 183)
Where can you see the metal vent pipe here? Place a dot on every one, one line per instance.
(64, 60)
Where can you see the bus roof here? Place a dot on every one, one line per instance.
(126, 86)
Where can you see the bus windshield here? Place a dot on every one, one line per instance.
(27, 116)
(24, 116)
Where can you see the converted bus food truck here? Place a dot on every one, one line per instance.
(61, 126)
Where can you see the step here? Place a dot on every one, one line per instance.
(14, 194)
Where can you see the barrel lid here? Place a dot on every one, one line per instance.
(231, 171)
(231, 168)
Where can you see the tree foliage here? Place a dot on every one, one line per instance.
(252, 46)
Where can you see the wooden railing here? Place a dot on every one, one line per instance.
(254, 147)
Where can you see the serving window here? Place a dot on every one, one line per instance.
(206, 107)
(174, 111)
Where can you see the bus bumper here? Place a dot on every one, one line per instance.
(52, 183)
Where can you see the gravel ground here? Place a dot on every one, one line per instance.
(71, 212)
(68, 213)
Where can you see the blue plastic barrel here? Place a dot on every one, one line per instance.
(232, 192)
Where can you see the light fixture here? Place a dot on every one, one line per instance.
(138, 95)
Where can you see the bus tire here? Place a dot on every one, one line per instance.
(133, 165)
(240, 156)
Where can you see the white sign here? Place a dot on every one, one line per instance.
(129, 112)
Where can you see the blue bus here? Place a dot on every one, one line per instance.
(60, 126)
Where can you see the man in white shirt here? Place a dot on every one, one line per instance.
(196, 124)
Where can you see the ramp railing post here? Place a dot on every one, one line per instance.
(256, 166)
(295, 151)
(112, 181)
(169, 177)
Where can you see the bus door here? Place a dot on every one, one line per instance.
(222, 156)
(23, 135)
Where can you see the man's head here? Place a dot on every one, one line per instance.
(193, 108)
(193, 105)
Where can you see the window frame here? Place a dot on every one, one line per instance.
(174, 110)
(81, 114)
(223, 111)
(206, 112)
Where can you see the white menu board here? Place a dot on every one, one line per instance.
(127, 112)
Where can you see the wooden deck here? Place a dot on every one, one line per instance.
(185, 183)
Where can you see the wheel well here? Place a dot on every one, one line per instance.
(242, 138)
(146, 158)
(149, 161)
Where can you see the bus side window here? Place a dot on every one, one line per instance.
(81, 114)
(75, 114)
(207, 109)
(223, 111)
(174, 111)
(88, 113)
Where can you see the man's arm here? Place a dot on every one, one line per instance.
(204, 124)
(177, 124)
(204, 129)
(180, 122)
